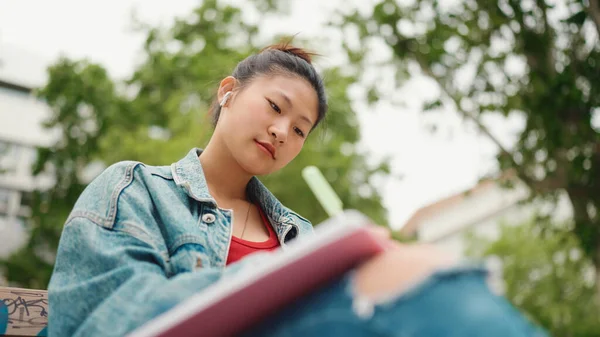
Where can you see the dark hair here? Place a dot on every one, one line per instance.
(280, 58)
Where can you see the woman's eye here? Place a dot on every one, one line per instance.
(299, 132)
(274, 107)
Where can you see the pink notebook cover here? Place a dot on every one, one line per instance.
(233, 305)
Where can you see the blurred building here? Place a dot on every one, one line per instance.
(21, 131)
(480, 210)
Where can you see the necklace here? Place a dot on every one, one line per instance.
(246, 221)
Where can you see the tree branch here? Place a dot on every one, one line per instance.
(593, 11)
(464, 113)
(550, 61)
(534, 185)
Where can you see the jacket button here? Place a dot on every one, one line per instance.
(208, 218)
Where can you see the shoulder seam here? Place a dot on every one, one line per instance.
(86, 216)
(113, 202)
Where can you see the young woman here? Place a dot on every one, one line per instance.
(141, 239)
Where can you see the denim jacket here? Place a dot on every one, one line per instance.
(140, 239)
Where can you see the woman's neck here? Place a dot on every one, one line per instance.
(225, 178)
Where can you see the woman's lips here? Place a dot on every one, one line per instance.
(266, 147)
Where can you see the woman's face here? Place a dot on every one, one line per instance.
(265, 124)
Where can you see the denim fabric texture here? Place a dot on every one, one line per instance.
(142, 239)
(453, 302)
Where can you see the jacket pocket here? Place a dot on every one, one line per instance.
(188, 256)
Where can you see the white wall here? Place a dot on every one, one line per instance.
(12, 236)
(471, 210)
(20, 66)
(483, 212)
(21, 118)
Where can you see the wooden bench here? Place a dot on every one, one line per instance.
(23, 312)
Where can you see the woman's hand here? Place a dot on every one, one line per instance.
(385, 235)
(380, 231)
(399, 267)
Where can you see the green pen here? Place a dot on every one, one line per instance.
(323, 191)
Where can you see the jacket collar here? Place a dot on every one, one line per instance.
(189, 175)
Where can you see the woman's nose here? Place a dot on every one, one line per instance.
(278, 133)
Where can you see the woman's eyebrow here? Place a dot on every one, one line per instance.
(286, 98)
(307, 120)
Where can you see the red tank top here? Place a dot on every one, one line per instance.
(240, 247)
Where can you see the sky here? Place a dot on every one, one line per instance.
(430, 166)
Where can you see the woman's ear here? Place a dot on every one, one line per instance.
(228, 84)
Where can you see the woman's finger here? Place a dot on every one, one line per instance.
(380, 231)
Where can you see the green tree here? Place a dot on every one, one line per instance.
(536, 60)
(546, 275)
(160, 112)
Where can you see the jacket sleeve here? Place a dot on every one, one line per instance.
(109, 281)
(109, 290)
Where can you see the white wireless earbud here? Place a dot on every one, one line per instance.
(225, 98)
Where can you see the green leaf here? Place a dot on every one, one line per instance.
(577, 18)
(432, 105)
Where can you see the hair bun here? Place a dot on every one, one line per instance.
(286, 47)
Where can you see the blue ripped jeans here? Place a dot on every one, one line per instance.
(452, 302)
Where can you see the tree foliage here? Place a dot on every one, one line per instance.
(537, 60)
(160, 113)
(546, 275)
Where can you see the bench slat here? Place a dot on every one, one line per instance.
(23, 312)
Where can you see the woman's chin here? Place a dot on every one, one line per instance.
(258, 167)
